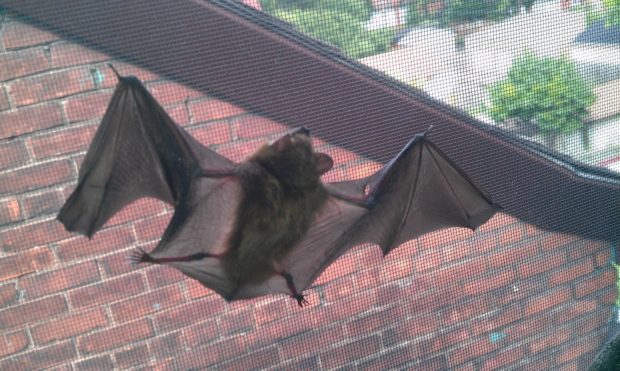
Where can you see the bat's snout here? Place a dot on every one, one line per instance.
(302, 130)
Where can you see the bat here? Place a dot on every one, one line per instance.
(267, 224)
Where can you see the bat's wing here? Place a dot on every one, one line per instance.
(138, 151)
(419, 191)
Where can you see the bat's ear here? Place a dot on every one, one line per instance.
(282, 143)
(323, 163)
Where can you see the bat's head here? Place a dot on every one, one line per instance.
(293, 160)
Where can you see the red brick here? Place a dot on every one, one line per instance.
(136, 355)
(213, 109)
(211, 133)
(393, 269)
(179, 113)
(505, 358)
(457, 252)
(41, 358)
(253, 126)
(595, 283)
(343, 354)
(512, 235)
(142, 305)
(572, 272)
(115, 337)
(25, 262)
(340, 288)
(18, 35)
(95, 363)
(347, 307)
(470, 351)
(22, 63)
(257, 360)
(460, 272)
(12, 154)
(443, 237)
(167, 93)
(104, 241)
(166, 346)
(238, 151)
(374, 322)
(152, 228)
(29, 119)
(11, 343)
(107, 291)
(489, 283)
(88, 106)
(273, 310)
(8, 295)
(59, 280)
(556, 240)
(44, 203)
(307, 342)
(468, 308)
(69, 326)
(61, 142)
(118, 263)
(31, 235)
(237, 322)
(160, 276)
(201, 333)
(602, 258)
(547, 301)
(32, 311)
(497, 320)
(393, 358)
(422, 325)
(428, 260)
(9, 211)
(342, 267)
(188, 314)
(499, 220)
(196, 290)
(140, 209)
(203, 357)
(37, 176)
(508, 256)
(4, 100)
(585, 345)
(51, 85)
(64, 54)
(547, 342)
(542, 263)
(587, 248)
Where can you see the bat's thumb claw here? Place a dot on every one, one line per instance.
(301, 301)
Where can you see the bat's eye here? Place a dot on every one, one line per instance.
(367, 190)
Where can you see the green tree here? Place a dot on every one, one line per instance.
(546, 92)
(612, 8)
(337, 22)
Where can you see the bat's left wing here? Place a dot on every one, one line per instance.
(421, 190)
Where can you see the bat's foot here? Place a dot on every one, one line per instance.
(301, 301)
(140, 256)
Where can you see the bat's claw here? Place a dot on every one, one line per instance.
(301, 301)
(140, 256)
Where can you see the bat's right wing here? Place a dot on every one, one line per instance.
(421, 190)
(138, 151)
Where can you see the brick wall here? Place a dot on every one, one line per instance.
(509, 294)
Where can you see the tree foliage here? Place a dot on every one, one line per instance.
(612, 8)
(337, 22)
(544, 91)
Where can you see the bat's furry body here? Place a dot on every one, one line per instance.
(268, 224)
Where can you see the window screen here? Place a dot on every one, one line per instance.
(522, 95)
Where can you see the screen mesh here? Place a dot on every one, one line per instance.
(523, 95)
